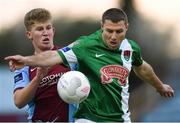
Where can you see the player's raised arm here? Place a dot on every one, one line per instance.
(44, 59)
(146, 73)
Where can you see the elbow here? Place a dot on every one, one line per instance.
(19, 105)
(19, 100)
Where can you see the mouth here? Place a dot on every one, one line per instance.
(113, 43)
(46, 40)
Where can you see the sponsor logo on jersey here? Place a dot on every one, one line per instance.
(110, 72)
(33, 69)
(50, 80)
(127, 54)
(65, 49)
(99, 55)
(18, 77)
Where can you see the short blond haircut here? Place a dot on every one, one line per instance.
(38, 15)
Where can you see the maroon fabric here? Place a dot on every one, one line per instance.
(48, 104)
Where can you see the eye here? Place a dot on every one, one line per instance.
(49, 27)
(109, 30)
(119, 31)
(39, 28)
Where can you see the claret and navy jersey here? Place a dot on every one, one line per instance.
(46, 105)
(108, 72)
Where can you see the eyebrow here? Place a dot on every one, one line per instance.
(115, 29)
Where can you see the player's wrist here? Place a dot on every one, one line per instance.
(159, 87)
(26, 61)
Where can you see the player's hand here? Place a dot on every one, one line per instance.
(166, 91)
(15, 62)
(41, 72)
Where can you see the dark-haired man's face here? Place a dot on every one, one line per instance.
(113, 33)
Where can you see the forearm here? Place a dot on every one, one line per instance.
(44, 59)
(23, 96)
(147, 74)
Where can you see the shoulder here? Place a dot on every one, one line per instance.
(89, 39)
(135, 46)
(133, 43)
(21, 77)
(21, 73)
(22, 70)
(92, 37)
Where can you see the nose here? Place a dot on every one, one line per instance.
(113, 36)
(45, 32)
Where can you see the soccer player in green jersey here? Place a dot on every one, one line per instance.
(106, 57)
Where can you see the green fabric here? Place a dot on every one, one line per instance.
(104, 102)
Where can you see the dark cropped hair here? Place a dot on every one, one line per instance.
(115, 15)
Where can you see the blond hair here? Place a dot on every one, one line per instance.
(39, 15)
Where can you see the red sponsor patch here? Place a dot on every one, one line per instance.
(114, 71)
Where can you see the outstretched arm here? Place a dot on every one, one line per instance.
(44, 59)
(146, 73)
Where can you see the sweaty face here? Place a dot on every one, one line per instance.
(113, 33)
(41, 35)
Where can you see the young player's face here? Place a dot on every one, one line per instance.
(113, 33)
(42, 35)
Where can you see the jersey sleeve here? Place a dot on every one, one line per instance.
(72, 54)
(21, 78)
(137, 57)
(68, 57)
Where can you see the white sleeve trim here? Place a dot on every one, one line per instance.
(70, 56)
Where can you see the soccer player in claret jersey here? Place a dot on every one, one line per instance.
(35, 86)
(106, 57)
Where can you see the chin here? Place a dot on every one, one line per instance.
(113, 47)
(47, 48)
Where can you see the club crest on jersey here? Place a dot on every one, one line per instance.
(114, 71)
(127, 54)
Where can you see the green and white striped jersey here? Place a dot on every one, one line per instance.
(108, 72)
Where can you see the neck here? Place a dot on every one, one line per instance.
(37, 51)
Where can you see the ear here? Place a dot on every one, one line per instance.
(54, 30)
(127, 26)
(28, 34)
(102, 25)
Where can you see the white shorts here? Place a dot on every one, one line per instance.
(83, 121)
(90, 121)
